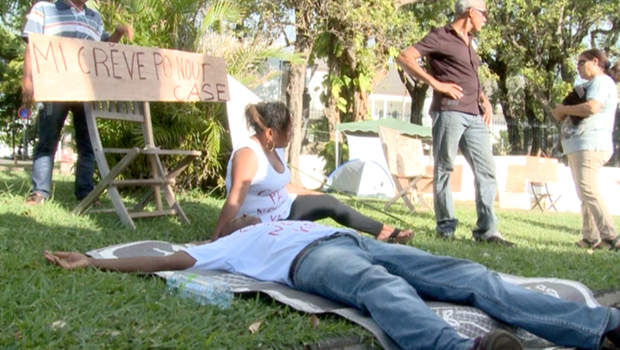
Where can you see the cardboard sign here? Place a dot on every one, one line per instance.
(66, 69)
(540, 169)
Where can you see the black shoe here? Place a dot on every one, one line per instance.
(446, 235)
(498, 239)
(612, 340)
(497, 340)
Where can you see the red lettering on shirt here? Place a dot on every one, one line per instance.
(276, 197)
(276, 230)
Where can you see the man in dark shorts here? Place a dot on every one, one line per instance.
(461, 115)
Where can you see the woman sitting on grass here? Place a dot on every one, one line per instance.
(257, 181)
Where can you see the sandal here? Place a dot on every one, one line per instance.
(586, 243)
(395, 237)
(609, 244)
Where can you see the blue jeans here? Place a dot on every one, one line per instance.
(453, 131)
(51, 120)
(391, 281)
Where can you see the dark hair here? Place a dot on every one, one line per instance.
(614, 72)
(264, 115)
(603, 63)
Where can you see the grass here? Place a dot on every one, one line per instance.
(42, 307)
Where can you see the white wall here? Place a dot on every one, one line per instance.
(569, 201)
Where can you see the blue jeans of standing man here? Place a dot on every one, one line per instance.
(453, 131)
(51, 120)
(390, 282)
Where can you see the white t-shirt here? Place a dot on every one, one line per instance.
(594, 133)
(267, 197)
(264, 251)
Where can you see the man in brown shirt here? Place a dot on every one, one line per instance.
(461, 115)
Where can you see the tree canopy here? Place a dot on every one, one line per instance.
(527, 48)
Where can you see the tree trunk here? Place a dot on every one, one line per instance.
(417, 92)
(359, 105)
(534, 125)
(418, 97)
(331, 105)
(515, 141)
(295, 90)
(615, 158)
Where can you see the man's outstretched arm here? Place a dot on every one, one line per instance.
(146, 264)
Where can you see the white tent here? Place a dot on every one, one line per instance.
(240, 97)
(361, 178)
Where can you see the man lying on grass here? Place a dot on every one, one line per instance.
(388, 281)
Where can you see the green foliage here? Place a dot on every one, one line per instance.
(328, 153)
(560, 29)
(528, 48)
(356, 41)
(11, 52)
(107, 310)
(101, 310)
(501, 145)
(196, 26)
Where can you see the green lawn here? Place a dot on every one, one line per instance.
(44, 307)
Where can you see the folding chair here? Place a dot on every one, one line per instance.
(404, 156)
(137, 112)
(540, 172)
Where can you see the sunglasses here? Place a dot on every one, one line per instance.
(581, 62)
(482, 12)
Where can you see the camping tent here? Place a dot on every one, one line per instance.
(361, 178)
(371, 127)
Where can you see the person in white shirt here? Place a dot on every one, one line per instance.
(388, 281)
(257, 181)
(587, 141)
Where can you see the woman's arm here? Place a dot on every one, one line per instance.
(147, 264)
(244, 167)
(583, 110)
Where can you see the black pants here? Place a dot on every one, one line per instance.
(317, 207)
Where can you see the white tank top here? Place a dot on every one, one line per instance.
(267, 197)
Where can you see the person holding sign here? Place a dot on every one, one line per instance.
(257, 181)
(70, 19)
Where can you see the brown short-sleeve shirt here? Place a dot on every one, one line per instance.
(452, 61)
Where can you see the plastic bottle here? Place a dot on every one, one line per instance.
(203, 290)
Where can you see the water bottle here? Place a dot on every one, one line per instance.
(201, 289)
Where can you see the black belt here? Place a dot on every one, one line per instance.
(291, 271)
